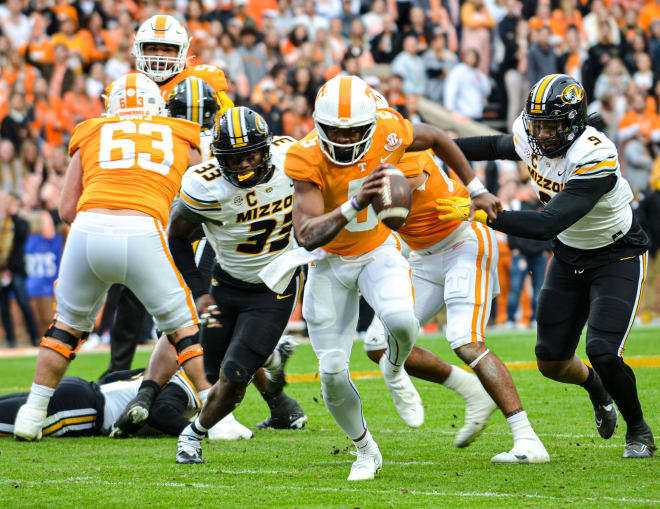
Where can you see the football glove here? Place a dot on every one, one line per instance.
(457, 208)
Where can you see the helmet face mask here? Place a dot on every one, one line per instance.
(345, 153)
(555, 115)
(345, 103)
(165, 31)
(193, 99)
(241, 145)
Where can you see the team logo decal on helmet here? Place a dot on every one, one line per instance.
(555, 114)
(572, 94)
(240, 135)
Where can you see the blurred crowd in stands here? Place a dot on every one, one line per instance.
(477, 58)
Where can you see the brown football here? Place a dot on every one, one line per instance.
(392, 205)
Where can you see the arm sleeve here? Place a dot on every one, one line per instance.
(166, 412)
(488, 148)
(566, 208)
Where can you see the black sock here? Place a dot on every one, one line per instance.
(148, 390)
(594, 386)
(619, 381)
(274, 400)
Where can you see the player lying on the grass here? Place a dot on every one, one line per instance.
(82, 408)
(192, 99)
(124, 172)
(243, 201)
(598, 271)
(455, 265)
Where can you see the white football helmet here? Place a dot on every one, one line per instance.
(381, 102)
(161, 29)
(345, 102)
(134, 95)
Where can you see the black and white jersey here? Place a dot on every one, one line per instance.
(246, 227)
(591, 156)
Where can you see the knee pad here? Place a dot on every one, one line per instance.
(65, 337)
(182, 347)
(403, 326)
(610, 314)
(332, 362)
(236, 373)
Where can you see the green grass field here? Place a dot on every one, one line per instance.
(308, 468)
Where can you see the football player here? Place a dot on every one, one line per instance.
(160, 48)
(124, 172)
(455, 265)
(243, 201)
(82, 408)
(598, 271)
(337, 169)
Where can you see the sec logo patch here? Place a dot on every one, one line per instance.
(393, 142)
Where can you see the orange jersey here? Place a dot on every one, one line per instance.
(133, 164)
(305, 161)
(211, 74)
(422, 228)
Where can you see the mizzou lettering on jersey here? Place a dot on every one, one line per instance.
(545, 182)
(246, 227)
(306, 162)
(210, 74)
(133, 164)
(422, 228)
(266, 210)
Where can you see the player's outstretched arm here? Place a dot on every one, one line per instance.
(426, 136)
(71, 190)
(313, 227)
(182, 225)
(488, 148)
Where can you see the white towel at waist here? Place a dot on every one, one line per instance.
(278, 273)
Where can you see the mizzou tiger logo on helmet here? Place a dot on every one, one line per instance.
(572, 94)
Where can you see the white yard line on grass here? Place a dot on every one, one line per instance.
(392, 491)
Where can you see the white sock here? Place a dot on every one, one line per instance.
(194, 431)
(39, 397)
(203, 394)
(461, 382)
(366, 444)
(520, 427)
(390, 370)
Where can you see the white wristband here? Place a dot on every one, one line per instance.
(348, 211)
(475, 187)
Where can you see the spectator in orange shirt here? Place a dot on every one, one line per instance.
(637, 116)
(297, 121)
(52, 120)
(567, 15)
(77, 42)
(16, 68)
(477, 24)
(79, 105)
(649, 13)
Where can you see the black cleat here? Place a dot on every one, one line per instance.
(287, 414)
(606, 418)
(132, 418)
(188, 451)
(639, 446)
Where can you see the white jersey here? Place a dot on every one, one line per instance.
(205, 139)
(592, 155)
(119, 394)
(248, 227)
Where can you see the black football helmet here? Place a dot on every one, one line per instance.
(241, 144)
(555, 114)
(194, 100)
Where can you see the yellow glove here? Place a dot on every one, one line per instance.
(457, 208)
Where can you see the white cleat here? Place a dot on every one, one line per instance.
(366, 466)
(28, 423)
(407, 401)
(229, 429)
(528, 450)
(479, 406)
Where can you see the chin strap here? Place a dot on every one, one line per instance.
(56, 339)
